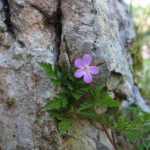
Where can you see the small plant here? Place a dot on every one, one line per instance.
(80, 98)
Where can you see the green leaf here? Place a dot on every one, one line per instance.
(65, 125)
(59, 115)
(48, 69)
(145, 117)
(122, 122)
(107, 101)
(56, 69)
(58, 101)
(76, 96)
(71, 76)
(71, 110)
(53, 75)
(146, 126)
(70, 86)
(90, 114)
(146, 144)
(55, 103)
(86, 105)
(130, 133)
(130, 136)
(64, 101)
(107, 120)
(80, 92)
(98, 90)
(56, 82)
(63, 75)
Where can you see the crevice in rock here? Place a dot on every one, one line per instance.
(117, 80)
(94, 6)
(55, 20)
(58, 28)
(7, 21)
(48, 19)
(67, 49)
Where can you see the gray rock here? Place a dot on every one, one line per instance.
(24, 87)
(92, 27)
(58, 31)
(139, 100)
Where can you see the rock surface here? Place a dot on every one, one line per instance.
(92, 27)
(27, 37)
(58, 31)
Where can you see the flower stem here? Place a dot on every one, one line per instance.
(113, 138)
(135, 144)
(123, 142)
(109, 137)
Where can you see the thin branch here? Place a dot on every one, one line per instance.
(123, 142)
(135, 144)
(113, 137)
(109, 137)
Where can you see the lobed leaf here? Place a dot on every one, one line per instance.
(65, 125)
(86, 105)
(48, 69)
(56, 82)
(98, 91)
(107, 101)
(59, 115)
(57, 102)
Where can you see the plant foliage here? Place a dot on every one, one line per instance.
(79, 100)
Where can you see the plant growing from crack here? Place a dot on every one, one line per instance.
(81, 99)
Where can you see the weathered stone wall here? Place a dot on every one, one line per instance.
(58, 31)
(28, 34)
(105, 30)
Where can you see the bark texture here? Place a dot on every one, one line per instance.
(58, 31)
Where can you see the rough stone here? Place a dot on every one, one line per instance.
(139, 100)
(32, 31)
(91, 27)
(26, 40)
(85, 135)
(104, 29)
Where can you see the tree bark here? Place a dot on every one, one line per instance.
(58, 31)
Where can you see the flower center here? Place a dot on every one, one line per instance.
(86, 68)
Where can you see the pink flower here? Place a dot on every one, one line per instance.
(85, 69)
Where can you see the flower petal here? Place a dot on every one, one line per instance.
(93, 69)
(87, 59)
(87, 77)
(79, 73)
(78, 63)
